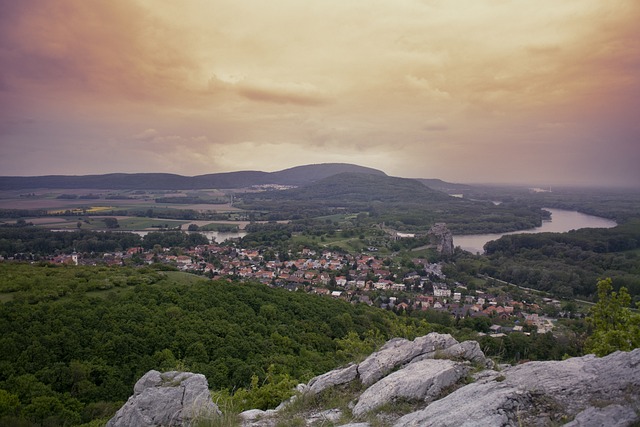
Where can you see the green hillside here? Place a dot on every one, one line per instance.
(75, 339)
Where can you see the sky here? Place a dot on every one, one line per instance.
(541, 92)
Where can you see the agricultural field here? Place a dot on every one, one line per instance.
(70, 209)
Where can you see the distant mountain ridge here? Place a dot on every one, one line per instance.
(299, 175)
(349, 187)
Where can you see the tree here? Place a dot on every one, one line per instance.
(111, 222)
(616, 327)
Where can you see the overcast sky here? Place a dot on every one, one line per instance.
(538, 92)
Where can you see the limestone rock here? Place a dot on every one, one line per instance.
(399, 351)
(423, 380)
(609, 416)
(478, 405)
(330, 417)
(332, 379)
(258, 418)
(467, 350)
(537, 393)
(166, 399)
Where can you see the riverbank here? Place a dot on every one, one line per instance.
(561, 222)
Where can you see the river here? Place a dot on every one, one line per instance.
(561, 221)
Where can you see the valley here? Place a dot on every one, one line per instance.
(101, 285)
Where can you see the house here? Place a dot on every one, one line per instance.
(441, 290)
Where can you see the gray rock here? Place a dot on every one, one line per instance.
(332, 379)
(330, 416)
(399, 351)
(252, 414)
(610, 416)
(537, 393)
(166, 399)
(423, 380)
(472, 408)
(356, 425)
(443, 238)
(467, 350)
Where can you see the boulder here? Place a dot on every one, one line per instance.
(467, 350)
(166, 399)
(423, 380)
(332, 379)
(399, 351)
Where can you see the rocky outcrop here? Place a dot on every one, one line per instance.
(539, 393)
(442, 237)
(332, 378)
(166, 399)
(447, 383)
(423, 380)
(399, 351)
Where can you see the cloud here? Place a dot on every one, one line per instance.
(262, 90)
(146, 135)
(412, 87)
(438, 124)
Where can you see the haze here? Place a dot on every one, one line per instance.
(542, 92)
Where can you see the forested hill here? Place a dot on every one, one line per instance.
(347, 188)
(75, 339)
(299, 175)
(405, 204)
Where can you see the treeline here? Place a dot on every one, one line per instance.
(28, 241)
(565, 264)
(76, 339)
(188, 200)
(157, 212)
(38, 241)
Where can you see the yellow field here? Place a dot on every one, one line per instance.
(100, 208)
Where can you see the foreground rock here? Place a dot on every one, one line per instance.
(166, 399)
(400, 351)
(420, 381)
(541, 394)
(432, 373)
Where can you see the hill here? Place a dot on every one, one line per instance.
(76, 338)
(404, 204)
(299, 175)
(446, 187)
(349, 188)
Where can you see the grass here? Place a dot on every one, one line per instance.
(170, 278)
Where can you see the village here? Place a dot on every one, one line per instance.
(356, 278)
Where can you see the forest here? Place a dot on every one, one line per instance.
(77, 338)
(568, 264)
